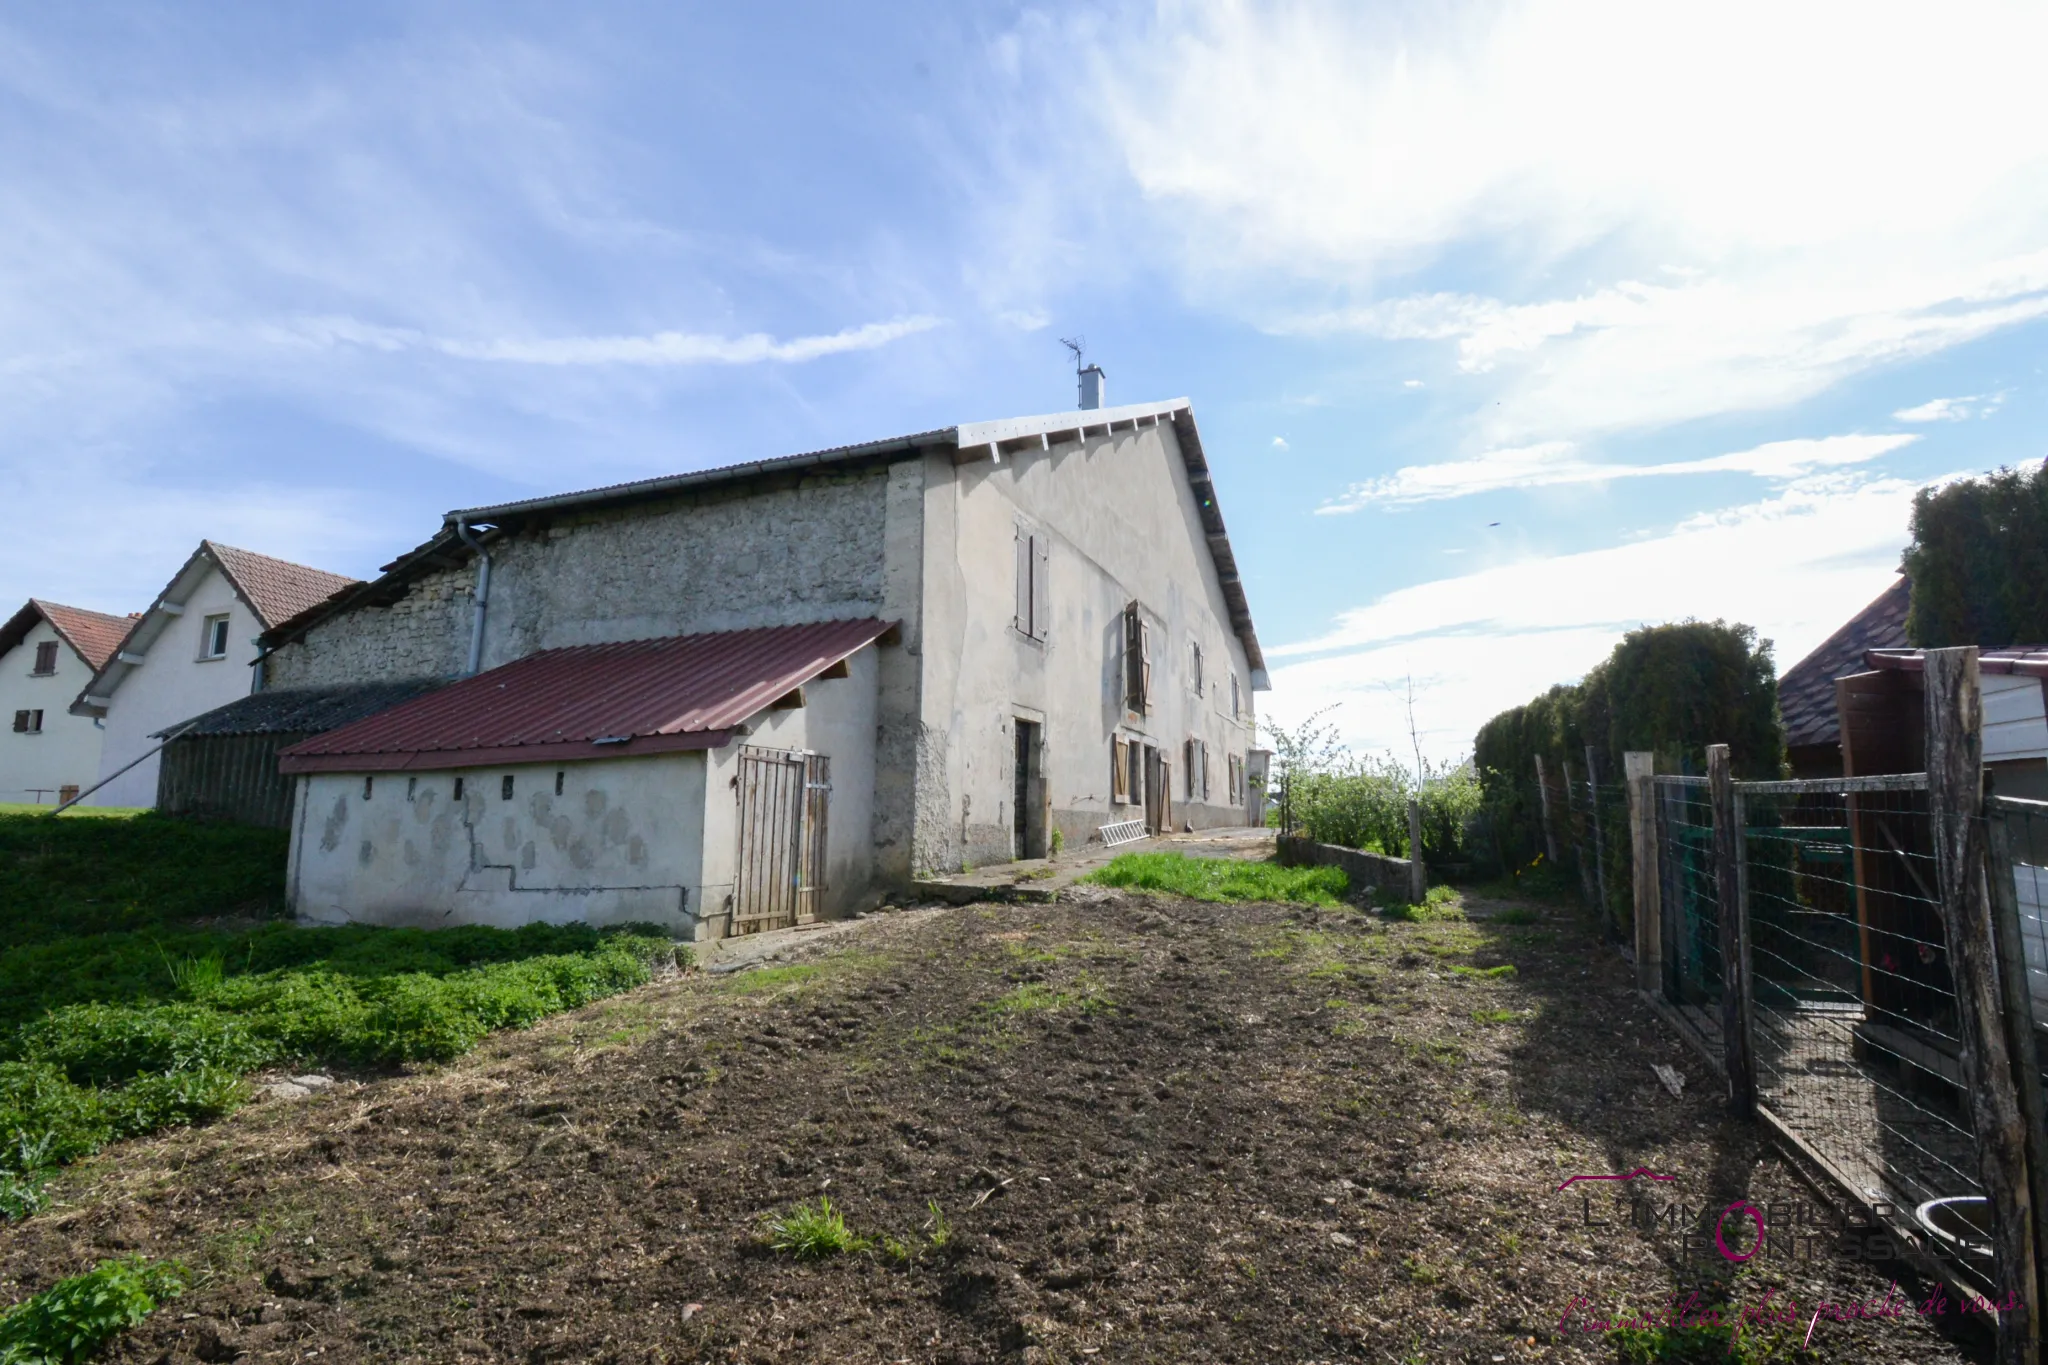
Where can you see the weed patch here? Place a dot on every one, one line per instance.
(73, 1318)
(812, 1232)
(1224, 879)
(1440, 905)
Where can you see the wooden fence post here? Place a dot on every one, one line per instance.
(1735, 1017)
(1642, 830)
(1599, 832)
(1418, 875)
(1549, 826)
(1955, 804)
(2007, 936)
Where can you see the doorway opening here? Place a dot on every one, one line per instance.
(1029, 796)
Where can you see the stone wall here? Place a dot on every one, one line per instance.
(1386, 878)
(424, 634)
(809, 550)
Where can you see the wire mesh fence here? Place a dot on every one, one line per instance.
(1857, 1041)
(1689, 906)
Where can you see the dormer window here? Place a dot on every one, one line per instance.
(213, 640)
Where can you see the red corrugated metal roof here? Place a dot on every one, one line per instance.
(592, 701)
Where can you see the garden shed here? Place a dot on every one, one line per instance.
(709, 783)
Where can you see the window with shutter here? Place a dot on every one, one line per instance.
(1205, 770)
(1041, 589)
(1188, 763)
(1119, 774)
(1133, 670)
(1022, 619)
(1235, 705)
(1195, 667)
(1145, 666)
(46, 658)
(20, 722)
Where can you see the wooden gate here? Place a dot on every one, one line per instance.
(783, 802)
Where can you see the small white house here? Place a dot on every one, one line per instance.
(47, 653)
(193, 650)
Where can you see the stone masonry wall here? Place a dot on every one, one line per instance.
(809, 551)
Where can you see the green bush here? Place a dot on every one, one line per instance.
(1978, 561)
(1223, 879)
(174, 1099)
(1359, 801)
(45, 1120)
(72, 1319)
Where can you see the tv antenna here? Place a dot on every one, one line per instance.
(1078, 345)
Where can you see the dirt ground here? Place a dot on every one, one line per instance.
(1156, 1129)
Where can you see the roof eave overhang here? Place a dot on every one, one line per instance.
(502, 756)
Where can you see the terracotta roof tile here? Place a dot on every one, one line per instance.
(592, 701)
(95, 635)
(276, 589)
(1806, 693)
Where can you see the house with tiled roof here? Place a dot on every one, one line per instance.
(1806, 692)
(47, 653)
(193, 650)
(742, 698)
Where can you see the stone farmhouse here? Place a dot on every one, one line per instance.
(745, 697)
(47, 653)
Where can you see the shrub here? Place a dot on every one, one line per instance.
(45, 1120)
(812, 1231)
(1978, 561)
(1224, 879)
(1360, 801)
(72, 1319)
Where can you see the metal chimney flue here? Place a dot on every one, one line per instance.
(1093, 384)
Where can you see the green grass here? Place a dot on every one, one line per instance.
(813, 1232)
(72, 1319)
(1439, 905)
(121, 1013)
(1492, 973)
(1224, 879)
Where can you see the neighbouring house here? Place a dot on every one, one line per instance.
(47, 653)
(740, 698)
(191, 651)
(1806, 691)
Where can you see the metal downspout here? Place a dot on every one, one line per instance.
(482, 597)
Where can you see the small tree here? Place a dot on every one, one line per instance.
(1978, 562)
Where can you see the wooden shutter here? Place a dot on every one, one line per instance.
(1134, 693)
(1041, 595)
(21, 722)
(1119, 774)
(1022, 619)
(1144, 665)
(1205, 770)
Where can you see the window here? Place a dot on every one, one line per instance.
(1119, 773)
(1188, 756)
(505, 787)
(558, 781)
(1134, 754)
(28, 722)
(46, 658)
(369, 785)
(1137, 661)
(213, 641)
(1195, 667)
(458, 789)
(1236, 780)
(1202, 746)
(412, 787)
(1034, 601)
(1236, 702)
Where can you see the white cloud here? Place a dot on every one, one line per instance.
(1557, 462)
(1952, 409)
(1280, 443)
(1411, 383)
(1802, 221)
(661, 348)
(1025, 319)
(1795, 566)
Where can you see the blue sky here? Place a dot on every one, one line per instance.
(1509, 326)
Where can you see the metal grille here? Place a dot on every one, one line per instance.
(784, 799)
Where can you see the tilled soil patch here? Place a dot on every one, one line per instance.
(1118, 1128)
